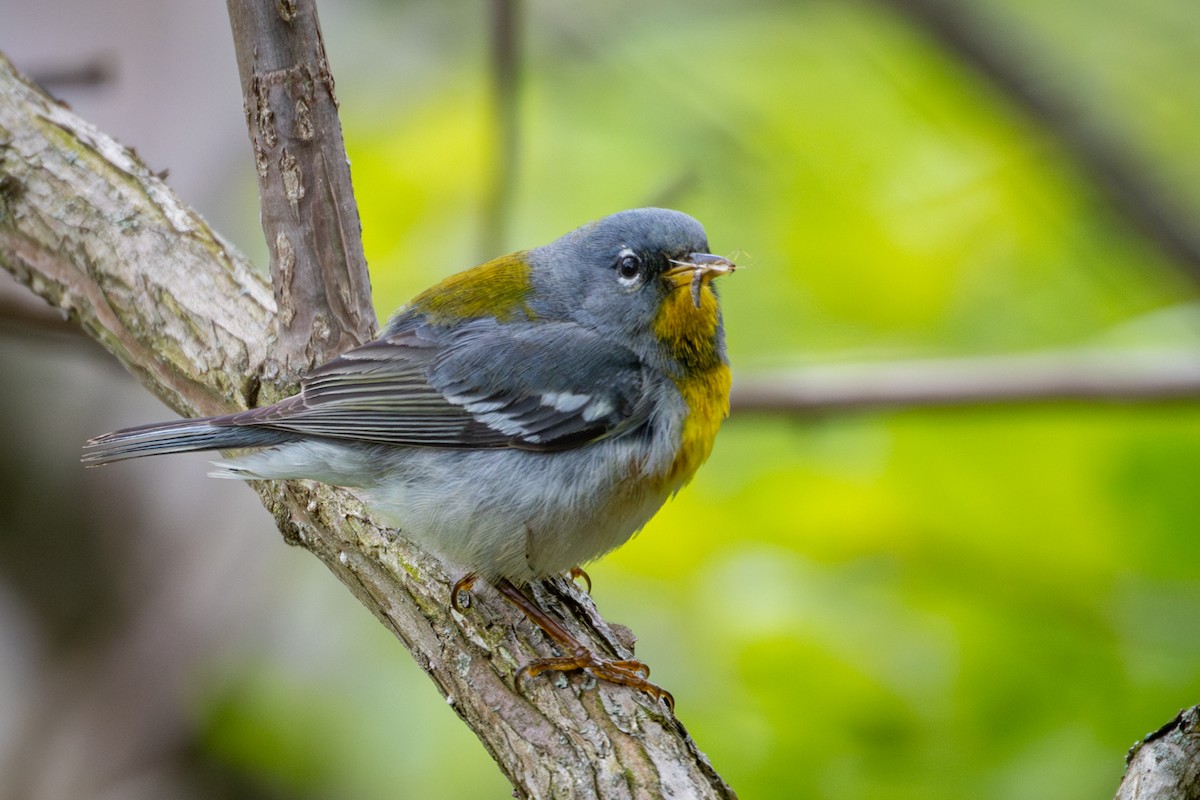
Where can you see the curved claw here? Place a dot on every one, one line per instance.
(624, 672)
(634, 666)
(577, 573)
(463, 584)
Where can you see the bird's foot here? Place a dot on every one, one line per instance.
(624, 672)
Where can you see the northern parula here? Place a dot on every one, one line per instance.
(520, 418)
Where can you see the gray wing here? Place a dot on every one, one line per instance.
(481, 385)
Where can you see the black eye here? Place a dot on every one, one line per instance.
(629, 266)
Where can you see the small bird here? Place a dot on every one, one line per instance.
(518, 419)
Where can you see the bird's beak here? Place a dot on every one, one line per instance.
(697, 269)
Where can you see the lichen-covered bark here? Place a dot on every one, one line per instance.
(86, 226)
(1166, 764)
(89, 228)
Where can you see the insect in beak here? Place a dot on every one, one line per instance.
(703, 267)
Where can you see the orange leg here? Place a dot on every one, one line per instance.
(625, 672)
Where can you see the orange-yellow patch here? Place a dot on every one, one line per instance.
(707, 398)
(689, 334)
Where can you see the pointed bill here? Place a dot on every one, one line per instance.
(697, 269)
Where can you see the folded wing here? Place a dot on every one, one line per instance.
(482, 384)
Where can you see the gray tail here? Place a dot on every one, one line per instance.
(180, 436)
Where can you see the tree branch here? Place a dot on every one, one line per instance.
(979, 42)
(309, 214)
(1166, 764)
(505, 64)
(1067, 375)
(86, 226)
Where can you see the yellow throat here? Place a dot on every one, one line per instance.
(688, 333)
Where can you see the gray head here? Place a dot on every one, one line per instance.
(613, 274)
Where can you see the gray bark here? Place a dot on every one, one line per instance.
(309, 216)
(1166, 764)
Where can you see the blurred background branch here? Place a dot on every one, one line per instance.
(1063, 376)
(983, 40)
(504, 85)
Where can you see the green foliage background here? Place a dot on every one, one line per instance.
(927, 604)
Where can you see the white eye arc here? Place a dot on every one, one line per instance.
(629, 267)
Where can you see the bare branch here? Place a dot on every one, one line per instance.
(86, 226)
(1166, 764)
(1068, 375)
(961, 29)
(309, 214)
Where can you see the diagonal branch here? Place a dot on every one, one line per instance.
(1166, 764)
(964, 30)
(87, 227)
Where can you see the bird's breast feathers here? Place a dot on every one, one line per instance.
(691, 335)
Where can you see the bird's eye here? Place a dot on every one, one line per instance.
(629, 267)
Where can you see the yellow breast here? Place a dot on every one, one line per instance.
(707, 398)
(691, 335)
